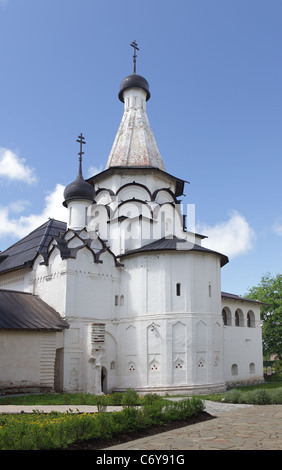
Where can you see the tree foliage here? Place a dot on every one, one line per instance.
(269, 291)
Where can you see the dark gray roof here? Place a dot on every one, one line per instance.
(23, 311)
(24, 252)
(174, 243)
(238, 297)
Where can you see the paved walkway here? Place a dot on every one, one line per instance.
(235, 427)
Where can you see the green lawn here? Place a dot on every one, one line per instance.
(113, 399)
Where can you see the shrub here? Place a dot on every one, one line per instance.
(259, 397)
(101, 402)
(150, 398)
(130, 398)
(116, 398)
(154, 413)
(183, 408)
(277, 396)
(233, 396)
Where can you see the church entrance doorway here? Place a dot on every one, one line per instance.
(104, 379)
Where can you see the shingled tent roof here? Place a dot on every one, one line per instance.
(24, 311)
(23, 253)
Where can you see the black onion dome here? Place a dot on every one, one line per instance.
(79, 189)
(134, 81)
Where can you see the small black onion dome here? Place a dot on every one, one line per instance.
(79, 189)
(134, 81)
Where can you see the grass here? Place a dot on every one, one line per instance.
(114, 399)
(72, 399)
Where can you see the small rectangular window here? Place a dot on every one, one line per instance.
(116, 300)
(210, 290)
(178, 289)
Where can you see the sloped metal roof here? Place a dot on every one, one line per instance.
(227, 295)
(24, 311)
(23, 253)
(174, 243)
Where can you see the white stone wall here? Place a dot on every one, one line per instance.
(243, 361)
(167, 342)
(28, 360)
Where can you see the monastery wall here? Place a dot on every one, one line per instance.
(35, 369)
(242, 343)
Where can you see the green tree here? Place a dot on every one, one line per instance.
(269, 291)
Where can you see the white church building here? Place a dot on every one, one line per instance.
(123, 295)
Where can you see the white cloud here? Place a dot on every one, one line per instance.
(233, 237)
(93, 170)
(277, 227)
(23, 225)
(14, 168)
(18, 206)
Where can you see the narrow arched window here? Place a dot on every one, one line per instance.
(178, 289)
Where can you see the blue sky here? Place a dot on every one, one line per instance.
(215, 74)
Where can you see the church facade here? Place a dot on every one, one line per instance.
(123, 295)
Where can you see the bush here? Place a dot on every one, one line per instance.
(258, 397)
(130, 398)
(154, 413)
(277, 396)
(101, 402)
(183, 408)
(151, 398)
(233, 396)
(116, 398)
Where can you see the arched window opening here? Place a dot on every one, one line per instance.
(252, 368)
(239, 318)
(226, 316)
(234, 369)
(251, 319)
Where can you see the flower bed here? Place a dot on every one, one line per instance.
(59, 430)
